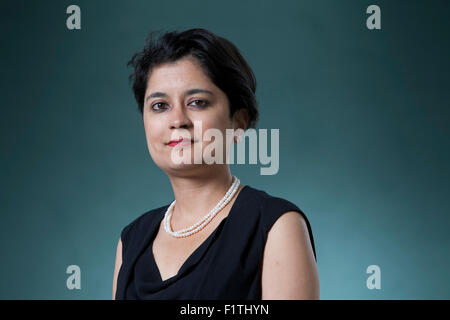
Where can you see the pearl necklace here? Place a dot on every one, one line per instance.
(206, 219)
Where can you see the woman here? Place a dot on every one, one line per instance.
(218, 239)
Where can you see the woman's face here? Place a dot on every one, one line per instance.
(181, 99)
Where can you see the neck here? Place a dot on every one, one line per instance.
(196, 196)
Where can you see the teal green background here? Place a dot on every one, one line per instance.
(364, 136)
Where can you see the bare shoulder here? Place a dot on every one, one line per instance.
(290, 233)
(290, 221)
(289, 266)
(117, 266)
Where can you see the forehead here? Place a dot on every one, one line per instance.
(180, 73)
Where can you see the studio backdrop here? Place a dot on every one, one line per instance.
(358, 91)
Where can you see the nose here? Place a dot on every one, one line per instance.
(178, 118)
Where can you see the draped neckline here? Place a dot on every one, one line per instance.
(198, 253)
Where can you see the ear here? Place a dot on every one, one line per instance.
(240, 119)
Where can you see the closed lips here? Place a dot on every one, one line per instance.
(184, 141)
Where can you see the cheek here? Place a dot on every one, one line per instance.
(147, 129)
(214, 132)
(217, 121)
(152, 134)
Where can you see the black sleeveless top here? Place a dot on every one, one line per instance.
(227, 265)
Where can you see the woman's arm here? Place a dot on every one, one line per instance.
(117, 267)
(289, 268)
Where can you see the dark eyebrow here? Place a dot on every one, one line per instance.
(156, 95)
(187, 93)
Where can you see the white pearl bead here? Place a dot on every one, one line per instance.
(206, 219)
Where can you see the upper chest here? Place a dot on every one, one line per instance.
(170, 253)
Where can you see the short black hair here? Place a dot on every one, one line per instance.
(220, 59)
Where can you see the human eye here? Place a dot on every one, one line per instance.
(199, 103)
(159, 106)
